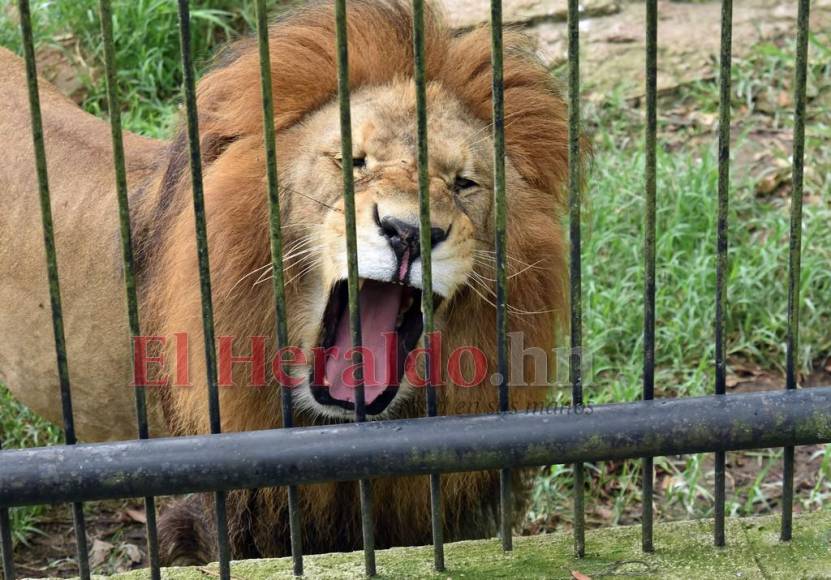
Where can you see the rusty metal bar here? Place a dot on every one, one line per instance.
(501, 247)
(52, 268)
(795, 255)
(6, 545)
(114, 107)
(425, 235)
(365, 486)
(278, 278)
(575, 261)
(649, 255)
(204, 271)
(721, 249)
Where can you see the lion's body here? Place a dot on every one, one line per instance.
(304, 78)
(85, 211)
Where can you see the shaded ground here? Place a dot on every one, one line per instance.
(115, 530)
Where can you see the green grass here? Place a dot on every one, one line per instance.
(685, 302)
(757, 293)
(147, 48)
(19, 427)
(147, 53)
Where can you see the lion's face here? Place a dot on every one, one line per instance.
(387, 212)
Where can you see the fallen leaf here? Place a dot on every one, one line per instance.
(579, 575)
(771, 182)
(704, 119)
(99, 553)
(131, 552)
(732, 381)
(134, 515)
(604, 512)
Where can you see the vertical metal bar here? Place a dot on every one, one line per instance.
(425, 232)
(501, 241)
(204, 270)
(365, 486)
(278, 278)
(721, 263)
(575, 273)
(6, 545)
(649, 255)
(795, 255)
(127, 256)
(52, 267)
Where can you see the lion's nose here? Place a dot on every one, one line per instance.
(403, 235)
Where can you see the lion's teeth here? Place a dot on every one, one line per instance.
(361, 283)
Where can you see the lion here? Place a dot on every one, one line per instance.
(383, 101)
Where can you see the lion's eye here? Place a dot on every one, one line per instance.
(358, 161)
(463, 183)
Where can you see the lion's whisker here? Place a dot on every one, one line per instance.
(267, 275)
(510, 275)
(489, 127)
(515, 310)
(482, 296)
(491, 257)
(295, 252)
(249, 274)
(300, 251)
(307, 196)
(312, 264)
(511, 308)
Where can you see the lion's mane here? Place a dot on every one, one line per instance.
(304, 74)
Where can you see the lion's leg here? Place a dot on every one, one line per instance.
(470, 507)
(329, 519)
(187, 534)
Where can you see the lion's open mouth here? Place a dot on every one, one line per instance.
(391, 325)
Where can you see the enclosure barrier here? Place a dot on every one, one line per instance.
(432, 445)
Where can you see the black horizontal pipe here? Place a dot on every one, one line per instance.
(420, 446)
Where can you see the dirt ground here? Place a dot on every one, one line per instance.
(115, 530)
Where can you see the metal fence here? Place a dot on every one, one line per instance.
(432, 445)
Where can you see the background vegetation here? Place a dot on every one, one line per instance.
(147, 52)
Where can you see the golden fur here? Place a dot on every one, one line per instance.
(304, 73)
(85, 214)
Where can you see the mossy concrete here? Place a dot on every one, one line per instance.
(684, 550)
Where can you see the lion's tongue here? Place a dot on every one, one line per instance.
(379, 304)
